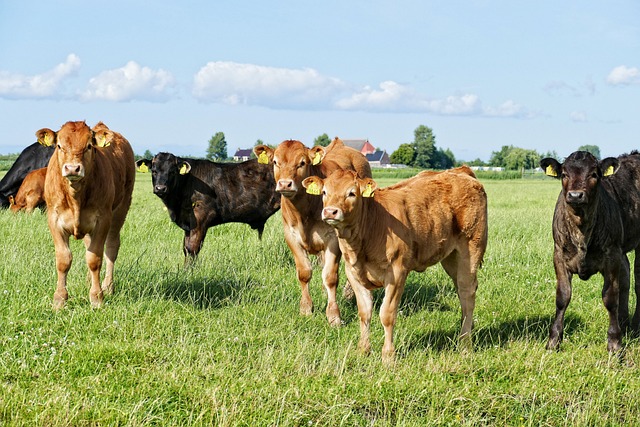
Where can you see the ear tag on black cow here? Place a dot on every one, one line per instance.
(48, 140)
(609, 171)
(143, 168)
(550, 171)
(263, 158)
(184, 169)
(317, 159)
(313, 188)
(368, 192)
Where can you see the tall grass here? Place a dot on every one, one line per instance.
(222, 343)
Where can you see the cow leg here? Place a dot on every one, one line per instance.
(63, 264)
(93, 256)
(111, 249)
(394, 287)
(364, 300)
(623, 293)
(563, 297)
(464, 277)
(193, 243)
(635, 324)
(330, 281)
(610, 294)
(303, 271)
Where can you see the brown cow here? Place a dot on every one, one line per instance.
(31, 192)
(304, 231)
(88, 190)
(386, 233)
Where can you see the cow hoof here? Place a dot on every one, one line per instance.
(614, 346)
(58, 303)
(306, 309)
(335, 321)
(107, 289)
(96, 300)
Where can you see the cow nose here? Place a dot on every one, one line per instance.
(575, 196)
(330, 213)
(160, 189)
(70, 169)
(285, 185)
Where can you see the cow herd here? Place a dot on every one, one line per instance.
(331, 207)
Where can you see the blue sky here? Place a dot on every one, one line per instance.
(543, 75)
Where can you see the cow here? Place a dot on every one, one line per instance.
(200, 194)
(88, 189)
(304, 231)
(433, 217)
(33, 157)
(595, 223)
(31, 193)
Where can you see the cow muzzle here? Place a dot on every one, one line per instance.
(576, 197)
(159, 190)
(286, 187)
(73, 171)
(332, 215)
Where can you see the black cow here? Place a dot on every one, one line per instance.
(33, 157)
(200, 194)
(596, 222)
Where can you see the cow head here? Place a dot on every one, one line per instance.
(75, 146)
(580, 173)
(342, 193)
(292, 163)
(166, 170)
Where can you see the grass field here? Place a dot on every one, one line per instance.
(222, 343)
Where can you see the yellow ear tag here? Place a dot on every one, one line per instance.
(368, 192)
(317, 159)
(101, 141)
(48, 140)
(183, 170)
(313, 188)
(263, 158)
(609, 171)
(143, 168)
(550, 171)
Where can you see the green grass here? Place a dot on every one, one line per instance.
(222, 343)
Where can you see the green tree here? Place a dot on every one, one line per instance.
(403, 155)
(443, 159)
(593, 149)
(323, 140)
(519, 158)
(217, 147)
(424, 145)
(147, 155)
(497, 158)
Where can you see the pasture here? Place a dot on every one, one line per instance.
(221, 343)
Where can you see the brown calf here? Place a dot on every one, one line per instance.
(88, 190)
(304, 231)
(386, 233)
(30, 195)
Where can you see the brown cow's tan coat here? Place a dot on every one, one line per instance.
(30, 195)
(430, 218)
(88, 189)
(304, 230)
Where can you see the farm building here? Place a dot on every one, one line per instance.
(379, 159)
(242, 154)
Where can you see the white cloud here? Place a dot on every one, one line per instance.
(48, 84)
(131, 82)
(234, 83)
(578, 116)
(623, 75)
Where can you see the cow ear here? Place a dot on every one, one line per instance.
(314, 185)
(367, 187)
(185, 167)
(46, 137)
(316, 154)
(263, 153)
(103, 138)
(143, 165)
(609, 166)
(551, 167)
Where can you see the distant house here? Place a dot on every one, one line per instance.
(242, 154)
(362, 145)
(379, 159)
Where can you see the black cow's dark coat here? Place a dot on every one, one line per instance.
(596, 222)
(208, 194)
(35, 156)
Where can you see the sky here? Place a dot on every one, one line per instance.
(548, 75)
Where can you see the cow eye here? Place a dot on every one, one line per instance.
(351, 194)
(594, 175)
(302, 163)
(275, 163)
(324, 192)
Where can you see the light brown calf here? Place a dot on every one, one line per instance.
(304, 230)
(30, 195)
(88, 190)
(386, 233)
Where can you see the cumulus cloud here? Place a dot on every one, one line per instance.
(578, 116)
(45, 85)
(131, 82)
(234, 83)
(623, 75)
